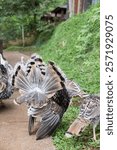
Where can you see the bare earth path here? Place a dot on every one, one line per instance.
(14, 122)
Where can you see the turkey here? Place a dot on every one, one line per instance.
(43, 87)
(6, 71)
(89, 114)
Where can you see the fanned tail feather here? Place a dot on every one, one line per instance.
(73, 89)
(40, 88)
(35, 75)
(52, 82)
(39, 63)
(58, 71)
(21, 81)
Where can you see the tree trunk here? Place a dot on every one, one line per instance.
(23, 38)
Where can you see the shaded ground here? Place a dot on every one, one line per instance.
(14, 122)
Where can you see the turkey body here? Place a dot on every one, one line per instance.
(47, 93)
(48, 116)
(6, 89)
(89, 114)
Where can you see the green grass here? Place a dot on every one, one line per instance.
(74, 46)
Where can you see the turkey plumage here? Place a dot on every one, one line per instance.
(6, 70)
(43, 87)
(89, 114)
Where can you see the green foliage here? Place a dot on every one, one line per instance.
(11, 7)
(17, 14)
(74, 46)
(11, 26)
(46, 31)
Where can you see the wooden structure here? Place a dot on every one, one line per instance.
(79, 6)
(57, 15)
(72, 8)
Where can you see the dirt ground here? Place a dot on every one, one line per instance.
(14, 122)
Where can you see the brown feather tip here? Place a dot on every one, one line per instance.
(76, 127)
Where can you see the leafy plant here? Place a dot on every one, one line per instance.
(22, 17)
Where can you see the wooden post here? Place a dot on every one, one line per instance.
(70, 8)
(81, 6)
(76, 7)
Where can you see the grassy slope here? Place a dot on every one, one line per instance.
(74, 46)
